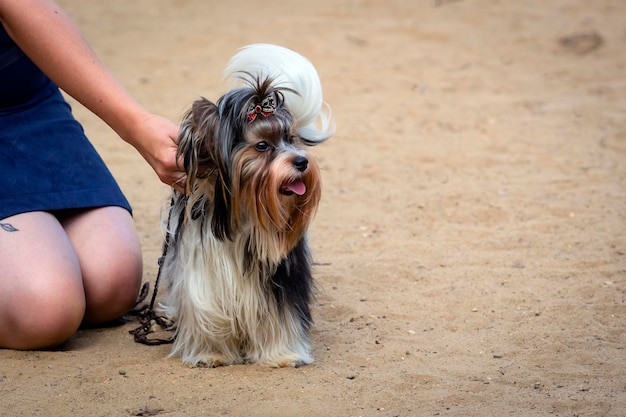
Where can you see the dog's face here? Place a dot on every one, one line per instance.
(274, 177)
(246, 164)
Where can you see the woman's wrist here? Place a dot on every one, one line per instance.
(128, 122)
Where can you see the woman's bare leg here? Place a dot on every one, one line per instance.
(43, 301)
(84, 266)
(109, 254)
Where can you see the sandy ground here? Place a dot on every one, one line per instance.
(471, 242)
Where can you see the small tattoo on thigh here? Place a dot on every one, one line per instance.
(8, 227)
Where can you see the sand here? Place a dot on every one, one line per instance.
(471, 243)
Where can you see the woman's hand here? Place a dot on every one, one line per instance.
(156, 139)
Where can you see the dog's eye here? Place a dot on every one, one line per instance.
(262, 146)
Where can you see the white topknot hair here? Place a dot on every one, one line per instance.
(293, 71)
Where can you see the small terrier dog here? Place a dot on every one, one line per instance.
(238, 266)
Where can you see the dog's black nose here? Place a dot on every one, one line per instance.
(300, 163)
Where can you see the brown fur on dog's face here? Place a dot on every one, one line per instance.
(249, 171)
(276, 186)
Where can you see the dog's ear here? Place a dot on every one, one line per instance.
(197, 130)
(197, 144)
(201, 110)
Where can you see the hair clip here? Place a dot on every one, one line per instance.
(265, 108)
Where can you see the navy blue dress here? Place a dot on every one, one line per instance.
(46, 162)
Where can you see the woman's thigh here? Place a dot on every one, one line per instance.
(42, 299)
(109, 253)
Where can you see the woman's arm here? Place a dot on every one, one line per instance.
(53, 42)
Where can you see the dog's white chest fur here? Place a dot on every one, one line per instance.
(226, 314)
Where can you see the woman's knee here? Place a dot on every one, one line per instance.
(113, 292)
(109, 253)
(39, 318)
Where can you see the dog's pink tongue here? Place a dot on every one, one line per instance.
(296, 187)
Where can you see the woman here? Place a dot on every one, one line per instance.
(69, 252)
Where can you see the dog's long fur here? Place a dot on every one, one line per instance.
(238, 262)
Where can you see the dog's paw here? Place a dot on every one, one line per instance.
(291, 360)
(212, 360)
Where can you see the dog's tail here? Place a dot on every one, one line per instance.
(289, 70)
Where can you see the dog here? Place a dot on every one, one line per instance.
(238, 265)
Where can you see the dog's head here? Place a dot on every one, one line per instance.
(247, 165)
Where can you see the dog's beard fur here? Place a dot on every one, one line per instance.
(238, 263)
